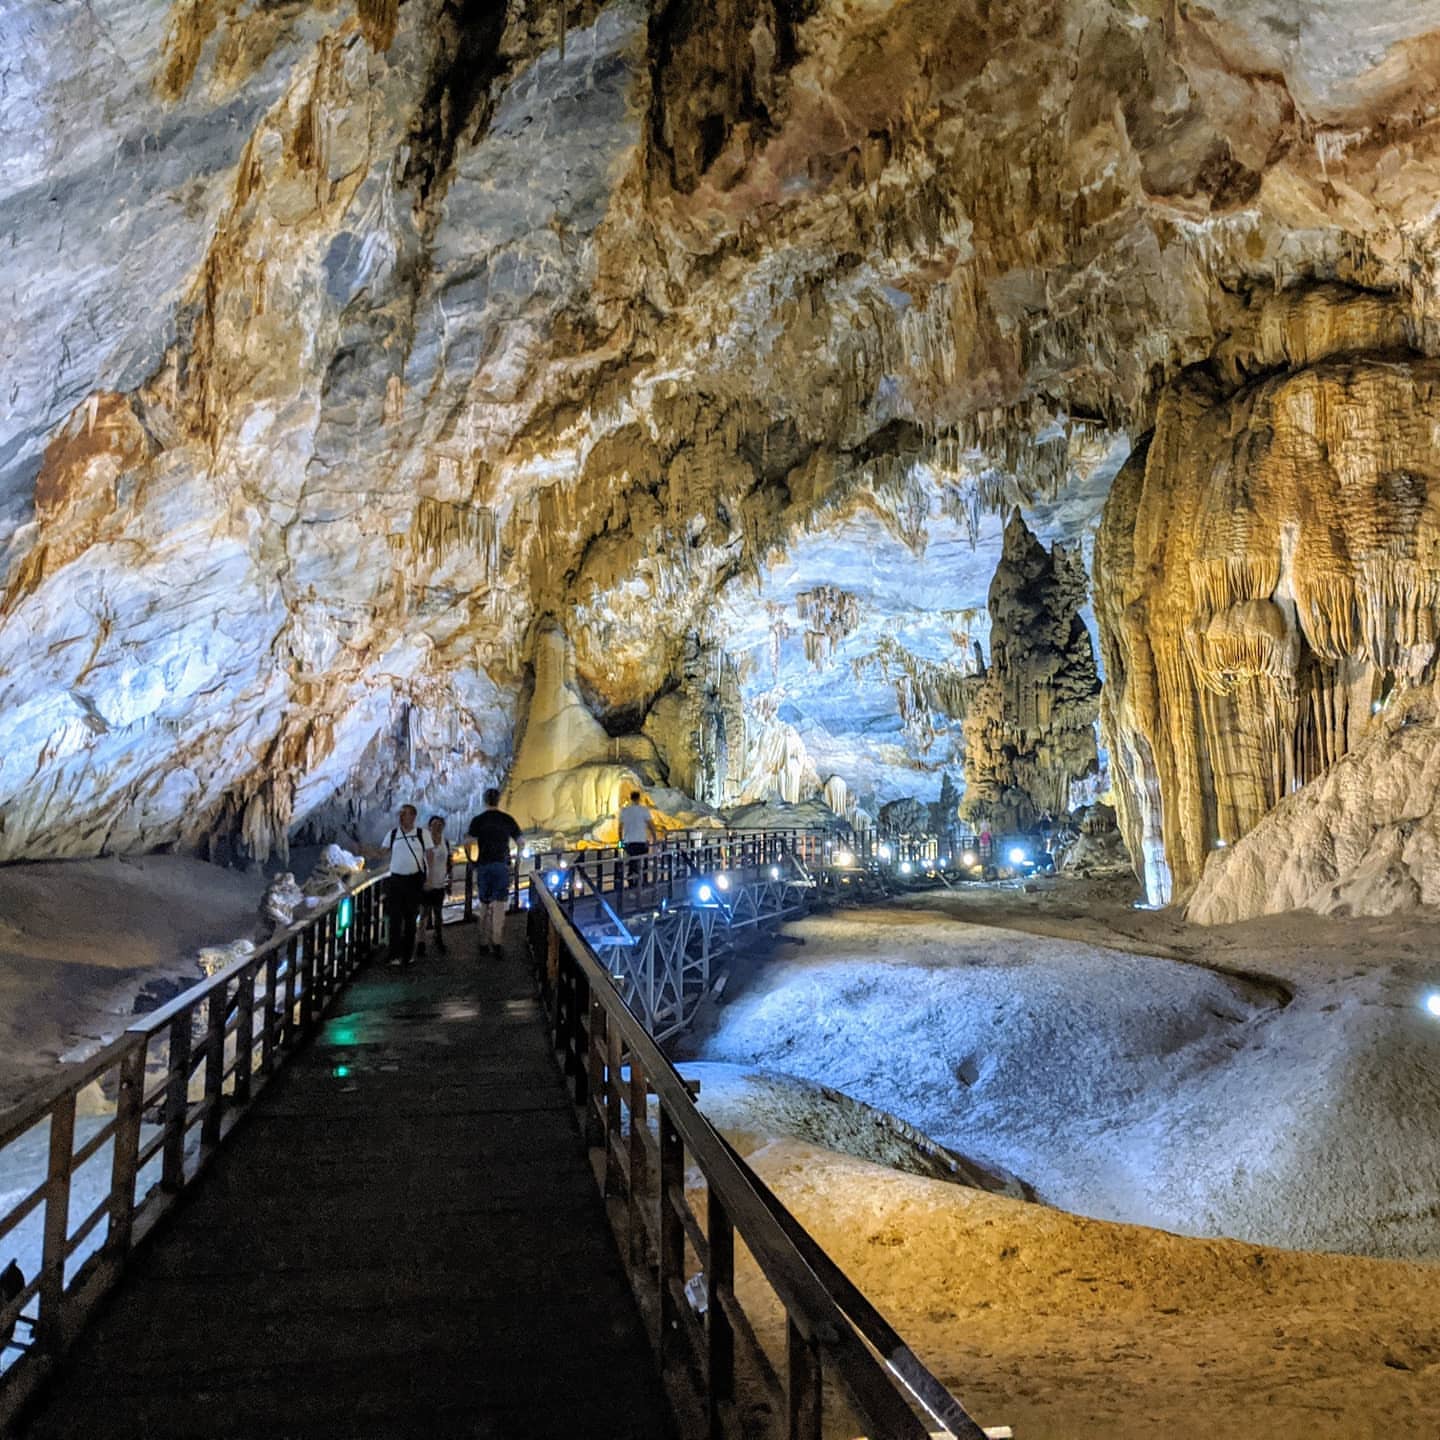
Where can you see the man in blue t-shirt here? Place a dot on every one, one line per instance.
(493, 832)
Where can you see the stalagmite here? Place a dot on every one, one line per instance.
(1030, 731)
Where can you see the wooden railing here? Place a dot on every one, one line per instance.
(179, 1079)
(839, 1369)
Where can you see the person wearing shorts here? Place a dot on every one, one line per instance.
(493, 832)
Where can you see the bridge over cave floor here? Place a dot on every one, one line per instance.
(404, 1238)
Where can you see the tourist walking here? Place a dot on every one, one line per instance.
(493, 832)
(437, 883)
(637, 833)
(407, 879)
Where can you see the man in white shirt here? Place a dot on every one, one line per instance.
(407, 880)
(637, 832)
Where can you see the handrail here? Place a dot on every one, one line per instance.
(215, 1046)
(614, 1066)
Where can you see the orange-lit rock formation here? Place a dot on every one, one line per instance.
(1268, 571)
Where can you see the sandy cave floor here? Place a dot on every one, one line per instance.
(80, 938)
(1277, 1085)
(1275, 1081)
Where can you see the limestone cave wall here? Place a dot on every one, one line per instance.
(352, 348)
(1268, 572)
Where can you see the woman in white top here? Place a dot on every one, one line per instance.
(437, 883)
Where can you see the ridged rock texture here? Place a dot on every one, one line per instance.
(351, 348)
(1030, 726)
(1269, 572)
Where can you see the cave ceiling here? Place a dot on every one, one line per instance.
(350, 346)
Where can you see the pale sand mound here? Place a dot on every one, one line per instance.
(1121, 1086)
(1362, 839)
(752, 1107)
(1067, 1328)
(79, 938)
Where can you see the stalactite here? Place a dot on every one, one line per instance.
(830, 613)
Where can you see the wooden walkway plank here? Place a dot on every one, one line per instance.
(404, 1238)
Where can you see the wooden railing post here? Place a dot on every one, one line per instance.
(292, 989)
(614, 1059)
(267, 1014)
(596, 1043)
(124, 1162)
(639, 1159)
(576, 1060)
(803, 1387)
(329, 960)
(552, 974)
(177, 1102)
(214, 1064)
(719, 1333)
(57, 1224)
(307, 977)
(672, 1238)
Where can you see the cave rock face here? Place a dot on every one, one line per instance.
(1030, 728)
(351, 348)
(1268, 572)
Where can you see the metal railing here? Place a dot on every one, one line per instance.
(669, 860)
(839, 1364)
(179, 1079)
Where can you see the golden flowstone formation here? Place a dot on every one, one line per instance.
(1267, 573)
(1031, 729)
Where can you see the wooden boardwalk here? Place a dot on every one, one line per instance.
(403, 1239)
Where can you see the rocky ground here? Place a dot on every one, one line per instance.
(80, 940)
(1264, 1092)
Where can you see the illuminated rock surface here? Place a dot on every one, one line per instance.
(1268, 572)
(1030, 726)
(352, 348)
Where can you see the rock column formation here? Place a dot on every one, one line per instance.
(1030, 732)
(1268, 573)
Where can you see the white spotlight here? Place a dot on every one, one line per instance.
(1432, 1004)
(969, 858)
(705, 894)
(774, 872)
(885, 852)
(1017, 856)
(844, 857)
(722, 882)
(906, 867)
